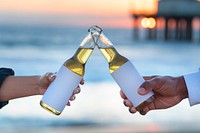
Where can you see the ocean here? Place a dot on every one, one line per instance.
(35, 50)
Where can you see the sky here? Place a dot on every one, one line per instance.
(111, 13)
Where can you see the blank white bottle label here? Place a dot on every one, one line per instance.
(61, 89)
(129, 80)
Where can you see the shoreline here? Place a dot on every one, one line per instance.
(105, 129)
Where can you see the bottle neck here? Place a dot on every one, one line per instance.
(109, 53)
(114, 59)
(77, 62)
(82, 54)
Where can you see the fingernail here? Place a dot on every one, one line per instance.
(142, 112)
(141, 91)
(52, 76)
(132, 110)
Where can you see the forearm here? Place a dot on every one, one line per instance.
(19, 86)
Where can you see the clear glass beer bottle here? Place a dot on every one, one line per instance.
(69, 76)
(124, 73)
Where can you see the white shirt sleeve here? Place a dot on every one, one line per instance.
(193, 86)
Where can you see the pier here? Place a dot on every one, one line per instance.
(177, 20)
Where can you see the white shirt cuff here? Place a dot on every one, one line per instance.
(193, 86)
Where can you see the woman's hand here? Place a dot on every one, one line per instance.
(46, 79)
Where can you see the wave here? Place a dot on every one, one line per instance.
(7, 122)
(41, 36)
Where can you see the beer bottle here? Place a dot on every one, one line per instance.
(69, 76)
(124, 73)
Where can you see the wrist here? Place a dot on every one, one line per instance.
(182, 88)
(36, 88)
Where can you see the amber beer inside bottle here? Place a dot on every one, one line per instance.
(77, 62)
(114, 59)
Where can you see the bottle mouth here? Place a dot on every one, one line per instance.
(97, 34)
(95, 30)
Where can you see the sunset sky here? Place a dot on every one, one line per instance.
(114, 13)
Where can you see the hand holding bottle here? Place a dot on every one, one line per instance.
(46, 79)
(169, 91)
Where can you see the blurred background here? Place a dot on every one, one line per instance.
(160, 37)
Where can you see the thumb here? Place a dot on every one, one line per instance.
(142, 91)
(149, 85)
(46, 79)
(146, 87)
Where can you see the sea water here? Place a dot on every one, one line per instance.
(35, 50)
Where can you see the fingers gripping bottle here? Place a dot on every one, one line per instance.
(68, 77)
(124, 73)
